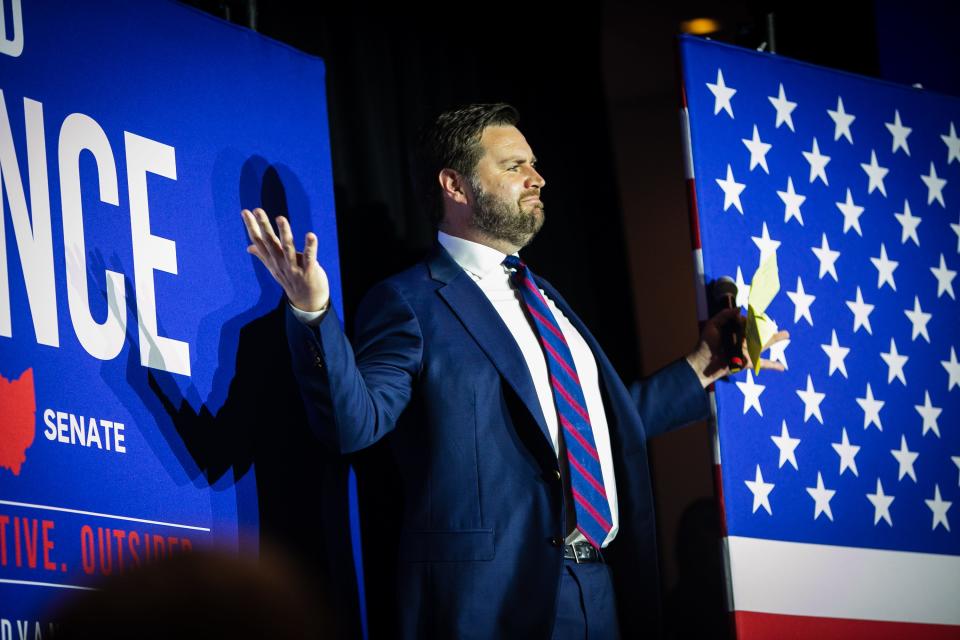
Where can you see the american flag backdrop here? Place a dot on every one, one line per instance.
(840, 477)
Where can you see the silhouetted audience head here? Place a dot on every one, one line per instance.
(201, 594)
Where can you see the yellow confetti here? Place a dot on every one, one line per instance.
(760, 328)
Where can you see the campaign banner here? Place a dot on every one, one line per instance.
(833, 201)
(131, 135)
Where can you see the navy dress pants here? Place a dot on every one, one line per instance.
(587, 609)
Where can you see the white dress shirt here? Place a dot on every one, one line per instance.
(485, 266)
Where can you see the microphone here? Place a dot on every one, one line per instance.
(724, 293)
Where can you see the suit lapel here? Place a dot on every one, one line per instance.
(482, 321)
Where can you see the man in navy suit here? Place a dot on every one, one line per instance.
(450, 366)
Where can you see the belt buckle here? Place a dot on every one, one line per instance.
(576, 552)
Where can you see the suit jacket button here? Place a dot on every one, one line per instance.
(556, 542)
(556, 474)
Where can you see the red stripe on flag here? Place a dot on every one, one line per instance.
(549, 325)
(586, 474)
(561, 361)
(569, 428)
(694, 214)
(593, 512)
(750, 624)
(718, 489)
(573, 403)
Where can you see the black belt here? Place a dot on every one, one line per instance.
(581, 552)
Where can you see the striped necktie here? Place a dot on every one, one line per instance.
(586, 478)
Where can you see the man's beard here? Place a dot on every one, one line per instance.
(504, 220)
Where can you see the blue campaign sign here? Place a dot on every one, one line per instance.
(131, 135)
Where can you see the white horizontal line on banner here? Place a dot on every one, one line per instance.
(46, 584)
(793, 578)
(103, 515)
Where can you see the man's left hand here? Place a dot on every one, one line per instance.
(709, 359)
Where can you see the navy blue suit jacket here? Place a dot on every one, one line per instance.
(436, 372)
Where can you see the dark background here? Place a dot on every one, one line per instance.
(597, 89)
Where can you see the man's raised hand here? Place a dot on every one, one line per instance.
(300, 275)
(709, 358)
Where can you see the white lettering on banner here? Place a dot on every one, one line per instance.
(34, 241)
(68, 428)
(151, 253)
(81, 133)
(23, 629)
(12, 44)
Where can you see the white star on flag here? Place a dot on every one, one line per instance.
(875, 174)
(861, 313)
(811, 401)
(939, 507)
(885, 268)
(909, 222)
(895, 362)
(818, 163)
(919, 319)
(953, 145)
(929, 413)
(751, 393)
(787, 446)
(956, 230)
(935, 185)
(765, 243)
(953, 370)
(761, 492)
(956, 461)
(721, 94)
(871, 409)
(851, 214)
(841, 121)
(881, 505)
(836, 353)
(801, 303)
(792, 201)
(944, 278)
(758, 150)
(827, 257)
(784, 109)
(731, 191)
(821, 498)
(905, 459)
(743, 290)
(778, 352)
(899, 133)
(847, 453)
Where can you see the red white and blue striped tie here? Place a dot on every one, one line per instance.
(586, 478)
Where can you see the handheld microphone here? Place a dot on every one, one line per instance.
(724, 292)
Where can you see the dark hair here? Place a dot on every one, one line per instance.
(453, 142)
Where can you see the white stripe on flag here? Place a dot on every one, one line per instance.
(772, 576)
(712, 422)
(687, 144)
(700, 286)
